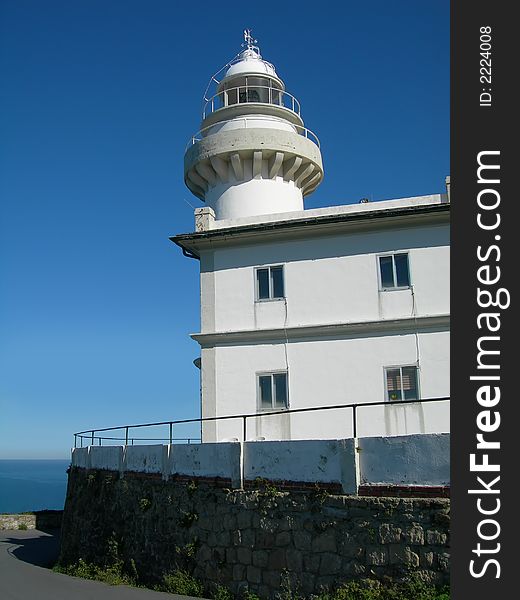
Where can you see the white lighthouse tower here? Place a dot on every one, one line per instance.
(253, 154)
(307, 311)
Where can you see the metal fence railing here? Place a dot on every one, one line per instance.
(130, 433)
(244, 94)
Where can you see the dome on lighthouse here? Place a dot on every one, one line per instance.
(250, 61)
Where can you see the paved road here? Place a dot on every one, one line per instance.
(23, 576)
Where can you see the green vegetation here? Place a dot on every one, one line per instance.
(111, 574)
(373, 590)
(222, 593)
(22, 526)
(188, 551)
(368, 589)
(187, 518)
(247, 595)
(266, 487)
(145, 504)
(191, 487)
(267, 495)
(181, 582)
(318, 497)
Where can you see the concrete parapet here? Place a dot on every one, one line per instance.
(321, 461)
(81, 457)
(405, 460)
(207, 460)
(146, 459)
(410, 460)
(109, 458)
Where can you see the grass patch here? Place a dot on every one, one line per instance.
(373, 590)
(221, 593)
(111, 574)
(181, 582)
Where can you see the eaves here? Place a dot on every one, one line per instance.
(193, 243)
(321, 332)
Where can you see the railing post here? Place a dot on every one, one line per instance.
(75, 441)
(126, 436)
(244, 427)
(92, 440)
(354, 421)
(171, 429)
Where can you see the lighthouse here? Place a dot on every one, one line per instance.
(306, 312)
(253, 154)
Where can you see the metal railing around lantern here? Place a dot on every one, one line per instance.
(258, 94)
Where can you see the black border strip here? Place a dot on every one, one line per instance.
(477, 127)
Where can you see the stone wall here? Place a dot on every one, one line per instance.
(42, 520)
(252, 538)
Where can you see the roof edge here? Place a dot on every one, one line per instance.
(292, 224)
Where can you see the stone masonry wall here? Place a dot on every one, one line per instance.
(42, 520)
(254, 538)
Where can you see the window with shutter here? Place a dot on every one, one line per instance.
(402, 383)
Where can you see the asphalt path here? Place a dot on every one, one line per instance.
(24, 574)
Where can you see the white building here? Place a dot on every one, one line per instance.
(308, 308)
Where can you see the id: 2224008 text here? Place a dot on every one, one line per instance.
(485, 65)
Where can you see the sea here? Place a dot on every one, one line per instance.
(29, 485)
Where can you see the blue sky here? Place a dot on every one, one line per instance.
(97, 102)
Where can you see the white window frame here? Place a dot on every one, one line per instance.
(270, 299)
(259, 393)
(417, 380)
(382, 288)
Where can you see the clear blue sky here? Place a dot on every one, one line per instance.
(98, 99)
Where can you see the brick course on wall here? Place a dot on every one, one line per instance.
(254, 538)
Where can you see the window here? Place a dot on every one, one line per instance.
(394, 271)
(401, 383)
(269, 283)
(272, 391)
(249, 95)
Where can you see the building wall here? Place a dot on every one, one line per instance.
(328, 279)
(329, 372)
